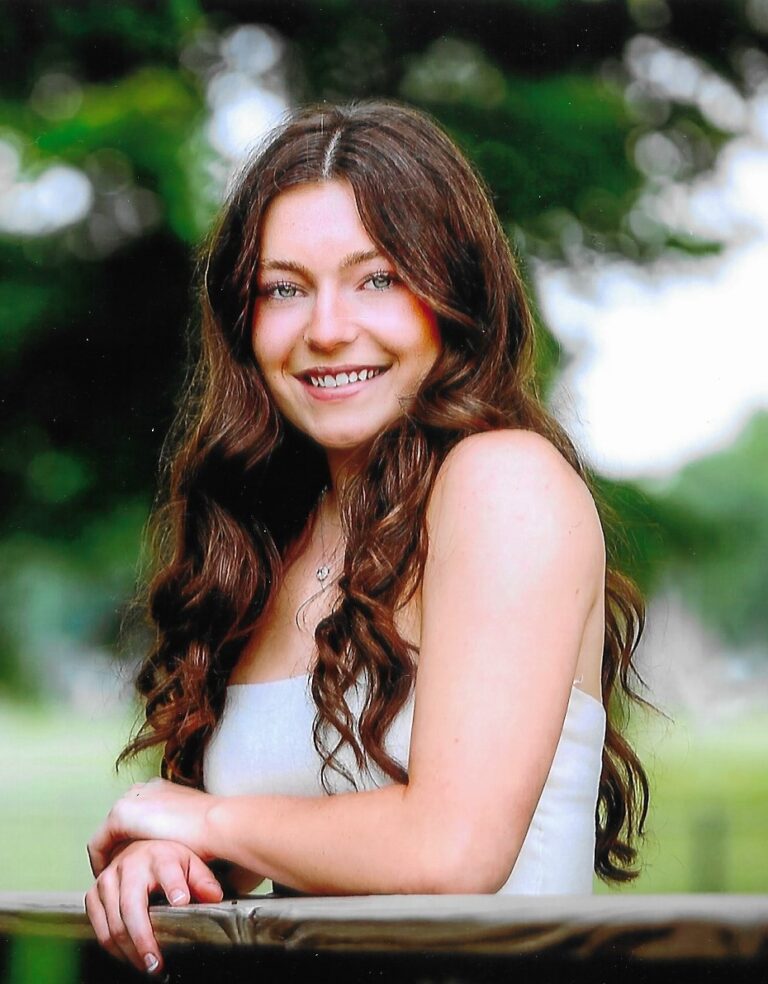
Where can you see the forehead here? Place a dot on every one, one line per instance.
(321, 218)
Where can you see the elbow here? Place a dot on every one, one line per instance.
(469, 878)
(464, 881)
(473, 866)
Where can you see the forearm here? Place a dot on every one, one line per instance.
(376, 842)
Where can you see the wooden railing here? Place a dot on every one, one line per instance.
(532, 940)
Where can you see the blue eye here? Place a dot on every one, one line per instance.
(380, 281)
(282, 291)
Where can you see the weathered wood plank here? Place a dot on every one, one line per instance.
(652, 928)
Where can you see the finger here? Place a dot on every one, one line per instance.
(98, 920)
(90, 860)
(134, 910)
(109, 893)
(202, 882)
(118, 848)
(172, 879)
(99, 849)
(111, 834)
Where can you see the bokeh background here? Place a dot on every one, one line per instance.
(626, 143)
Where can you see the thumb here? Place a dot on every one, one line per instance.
(203, 884)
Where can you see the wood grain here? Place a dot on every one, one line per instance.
(653, 928)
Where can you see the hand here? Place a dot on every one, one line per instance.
(154, 810)
(118, 903)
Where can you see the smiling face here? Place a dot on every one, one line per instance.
(342, 343)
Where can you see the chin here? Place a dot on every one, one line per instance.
(349, 439)
(347, 445)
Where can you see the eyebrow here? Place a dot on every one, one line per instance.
(350, 260)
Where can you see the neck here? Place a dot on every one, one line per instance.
(342, 464)
(328, 513)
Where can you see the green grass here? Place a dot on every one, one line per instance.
(58, 780)
(706, 830)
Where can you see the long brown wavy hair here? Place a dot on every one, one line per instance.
(242, 482)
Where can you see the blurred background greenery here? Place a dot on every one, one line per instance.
(596, 124)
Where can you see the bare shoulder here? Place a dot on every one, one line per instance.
(497, 465)
(513, 488)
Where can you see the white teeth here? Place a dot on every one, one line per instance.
(344, 378)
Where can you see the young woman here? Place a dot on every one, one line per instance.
(385, 630)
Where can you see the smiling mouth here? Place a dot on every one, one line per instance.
(329, 380)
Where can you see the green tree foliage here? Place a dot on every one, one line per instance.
(92, 338)
(728, 579)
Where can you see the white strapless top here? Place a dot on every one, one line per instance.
(263, 745)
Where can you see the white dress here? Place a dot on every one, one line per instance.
(263, 745)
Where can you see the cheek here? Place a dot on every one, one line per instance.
(272, 378)
(414, 329)
(266, 350)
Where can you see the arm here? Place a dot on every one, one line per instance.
(515, 566)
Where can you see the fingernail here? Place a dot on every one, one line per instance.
(151, 963)
(177, 896)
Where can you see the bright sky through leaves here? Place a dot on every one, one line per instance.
(670, 361)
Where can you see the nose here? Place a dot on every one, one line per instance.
(330, 322)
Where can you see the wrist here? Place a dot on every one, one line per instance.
(209, 848)
(233, 822)
(218, 836)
